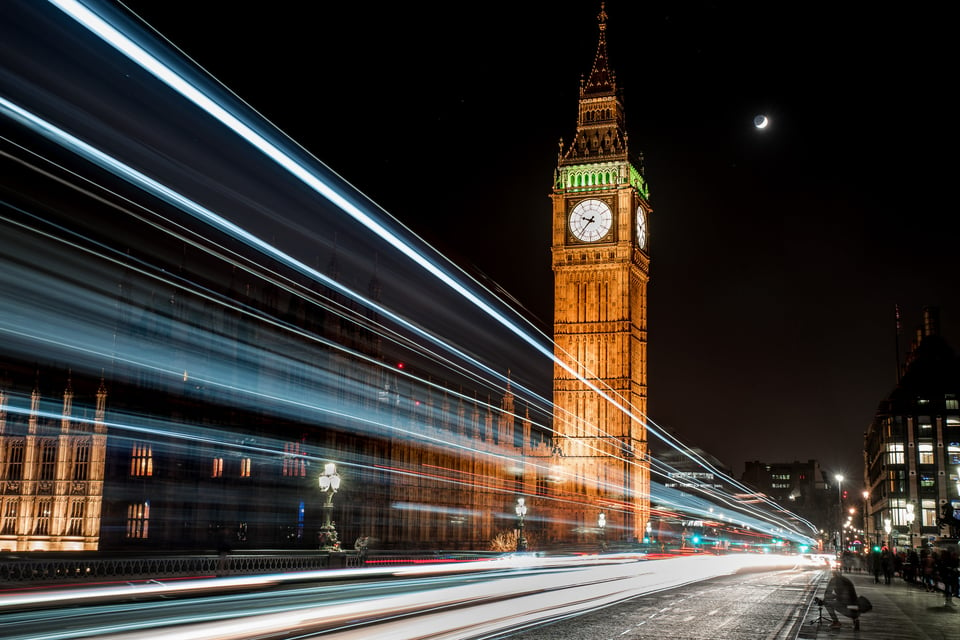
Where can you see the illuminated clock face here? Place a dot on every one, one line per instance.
(641, 228)
(590, 220)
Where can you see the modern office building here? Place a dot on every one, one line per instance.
(912, 447)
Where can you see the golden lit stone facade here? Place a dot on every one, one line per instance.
(51, 475)
(601, 269)
(423, 466)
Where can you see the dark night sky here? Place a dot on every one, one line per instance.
(777, 256)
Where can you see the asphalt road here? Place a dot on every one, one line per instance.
(756, 597)
(751, 606)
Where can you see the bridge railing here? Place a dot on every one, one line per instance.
(80, 568)
(77, 568)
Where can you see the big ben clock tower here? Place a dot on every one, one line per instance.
(601, 268)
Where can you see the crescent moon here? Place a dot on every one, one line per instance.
(761, 122)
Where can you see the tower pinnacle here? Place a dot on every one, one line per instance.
(601, 79)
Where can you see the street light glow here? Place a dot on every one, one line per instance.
(329, 482)
(521, 511)
(839, 513)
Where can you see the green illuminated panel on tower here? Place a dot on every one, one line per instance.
(636, 179)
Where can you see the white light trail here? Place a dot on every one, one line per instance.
(264, 143)
(123, 43)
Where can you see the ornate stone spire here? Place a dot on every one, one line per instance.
(601, 134)
(601, 79)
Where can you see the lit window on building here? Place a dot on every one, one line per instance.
(927, 480)
(141, 459)
(138, 520)
(81, 460)
(898, 511)
(953, 404)
(44, 514)
(77, 511)
(953, 453)
(895, 453)
(246, 465)
(13, 469)
(542, 486)
(217, 470)
(926, 424)
(294, 463)
(48, 459)
(10, 511)
(925, 453)
(897, 480)
(928, 513)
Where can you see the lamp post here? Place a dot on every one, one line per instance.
(839, 515)
(521, 512)
(329, 483)
(602, 523)
(910, 518)
(887, 529)
(852, 529)
(866, 527)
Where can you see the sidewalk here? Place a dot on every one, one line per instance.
(901, 611)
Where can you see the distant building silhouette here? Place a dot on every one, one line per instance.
(800, 487)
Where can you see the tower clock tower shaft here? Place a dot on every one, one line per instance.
(601, 269)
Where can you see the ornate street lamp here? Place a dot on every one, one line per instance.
(329, 483)
(521, 510)
(887, 529)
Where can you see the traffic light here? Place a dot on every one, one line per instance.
(844, 494)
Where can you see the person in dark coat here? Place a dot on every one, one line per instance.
(875, 567)
(949, 569)
(841, 596)
(887, 565)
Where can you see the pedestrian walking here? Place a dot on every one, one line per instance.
(911, 569)
(949, 568)
(886, 565)
(928, 569)
(875, 566)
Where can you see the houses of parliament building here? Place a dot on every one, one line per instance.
(111, 455)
